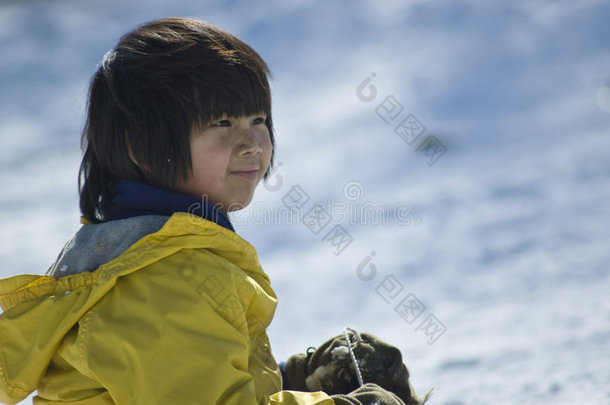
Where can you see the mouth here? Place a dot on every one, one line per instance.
(250, 174)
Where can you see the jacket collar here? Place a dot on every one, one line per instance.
(132, 198)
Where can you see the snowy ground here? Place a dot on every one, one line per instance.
(497, 236)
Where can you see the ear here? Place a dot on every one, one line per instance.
(132, 157)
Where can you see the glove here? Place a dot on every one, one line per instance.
(368, 394)
(331, 369)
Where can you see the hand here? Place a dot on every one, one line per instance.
(331, 369)
(368, 394)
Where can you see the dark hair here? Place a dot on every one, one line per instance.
(161, 81)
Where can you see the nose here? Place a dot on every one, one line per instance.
(249, 144)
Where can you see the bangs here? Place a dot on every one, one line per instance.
(243, 92)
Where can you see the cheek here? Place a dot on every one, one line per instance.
(266, 146)
(210, 162)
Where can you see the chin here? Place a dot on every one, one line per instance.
(236, 206)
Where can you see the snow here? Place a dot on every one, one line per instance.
(506, 248)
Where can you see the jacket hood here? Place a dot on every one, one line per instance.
(40, 310)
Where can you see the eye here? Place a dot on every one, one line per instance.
(222, 123)
(259, 120)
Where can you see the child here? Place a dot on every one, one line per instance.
(156, 299)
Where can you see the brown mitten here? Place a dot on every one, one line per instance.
(368, 394)
(331, 368)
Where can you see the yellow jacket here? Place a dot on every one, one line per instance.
(179, 317)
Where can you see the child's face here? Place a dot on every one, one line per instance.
(229, 159)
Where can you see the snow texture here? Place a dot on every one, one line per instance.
(459, 152)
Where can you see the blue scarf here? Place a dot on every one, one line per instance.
(132, 199)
